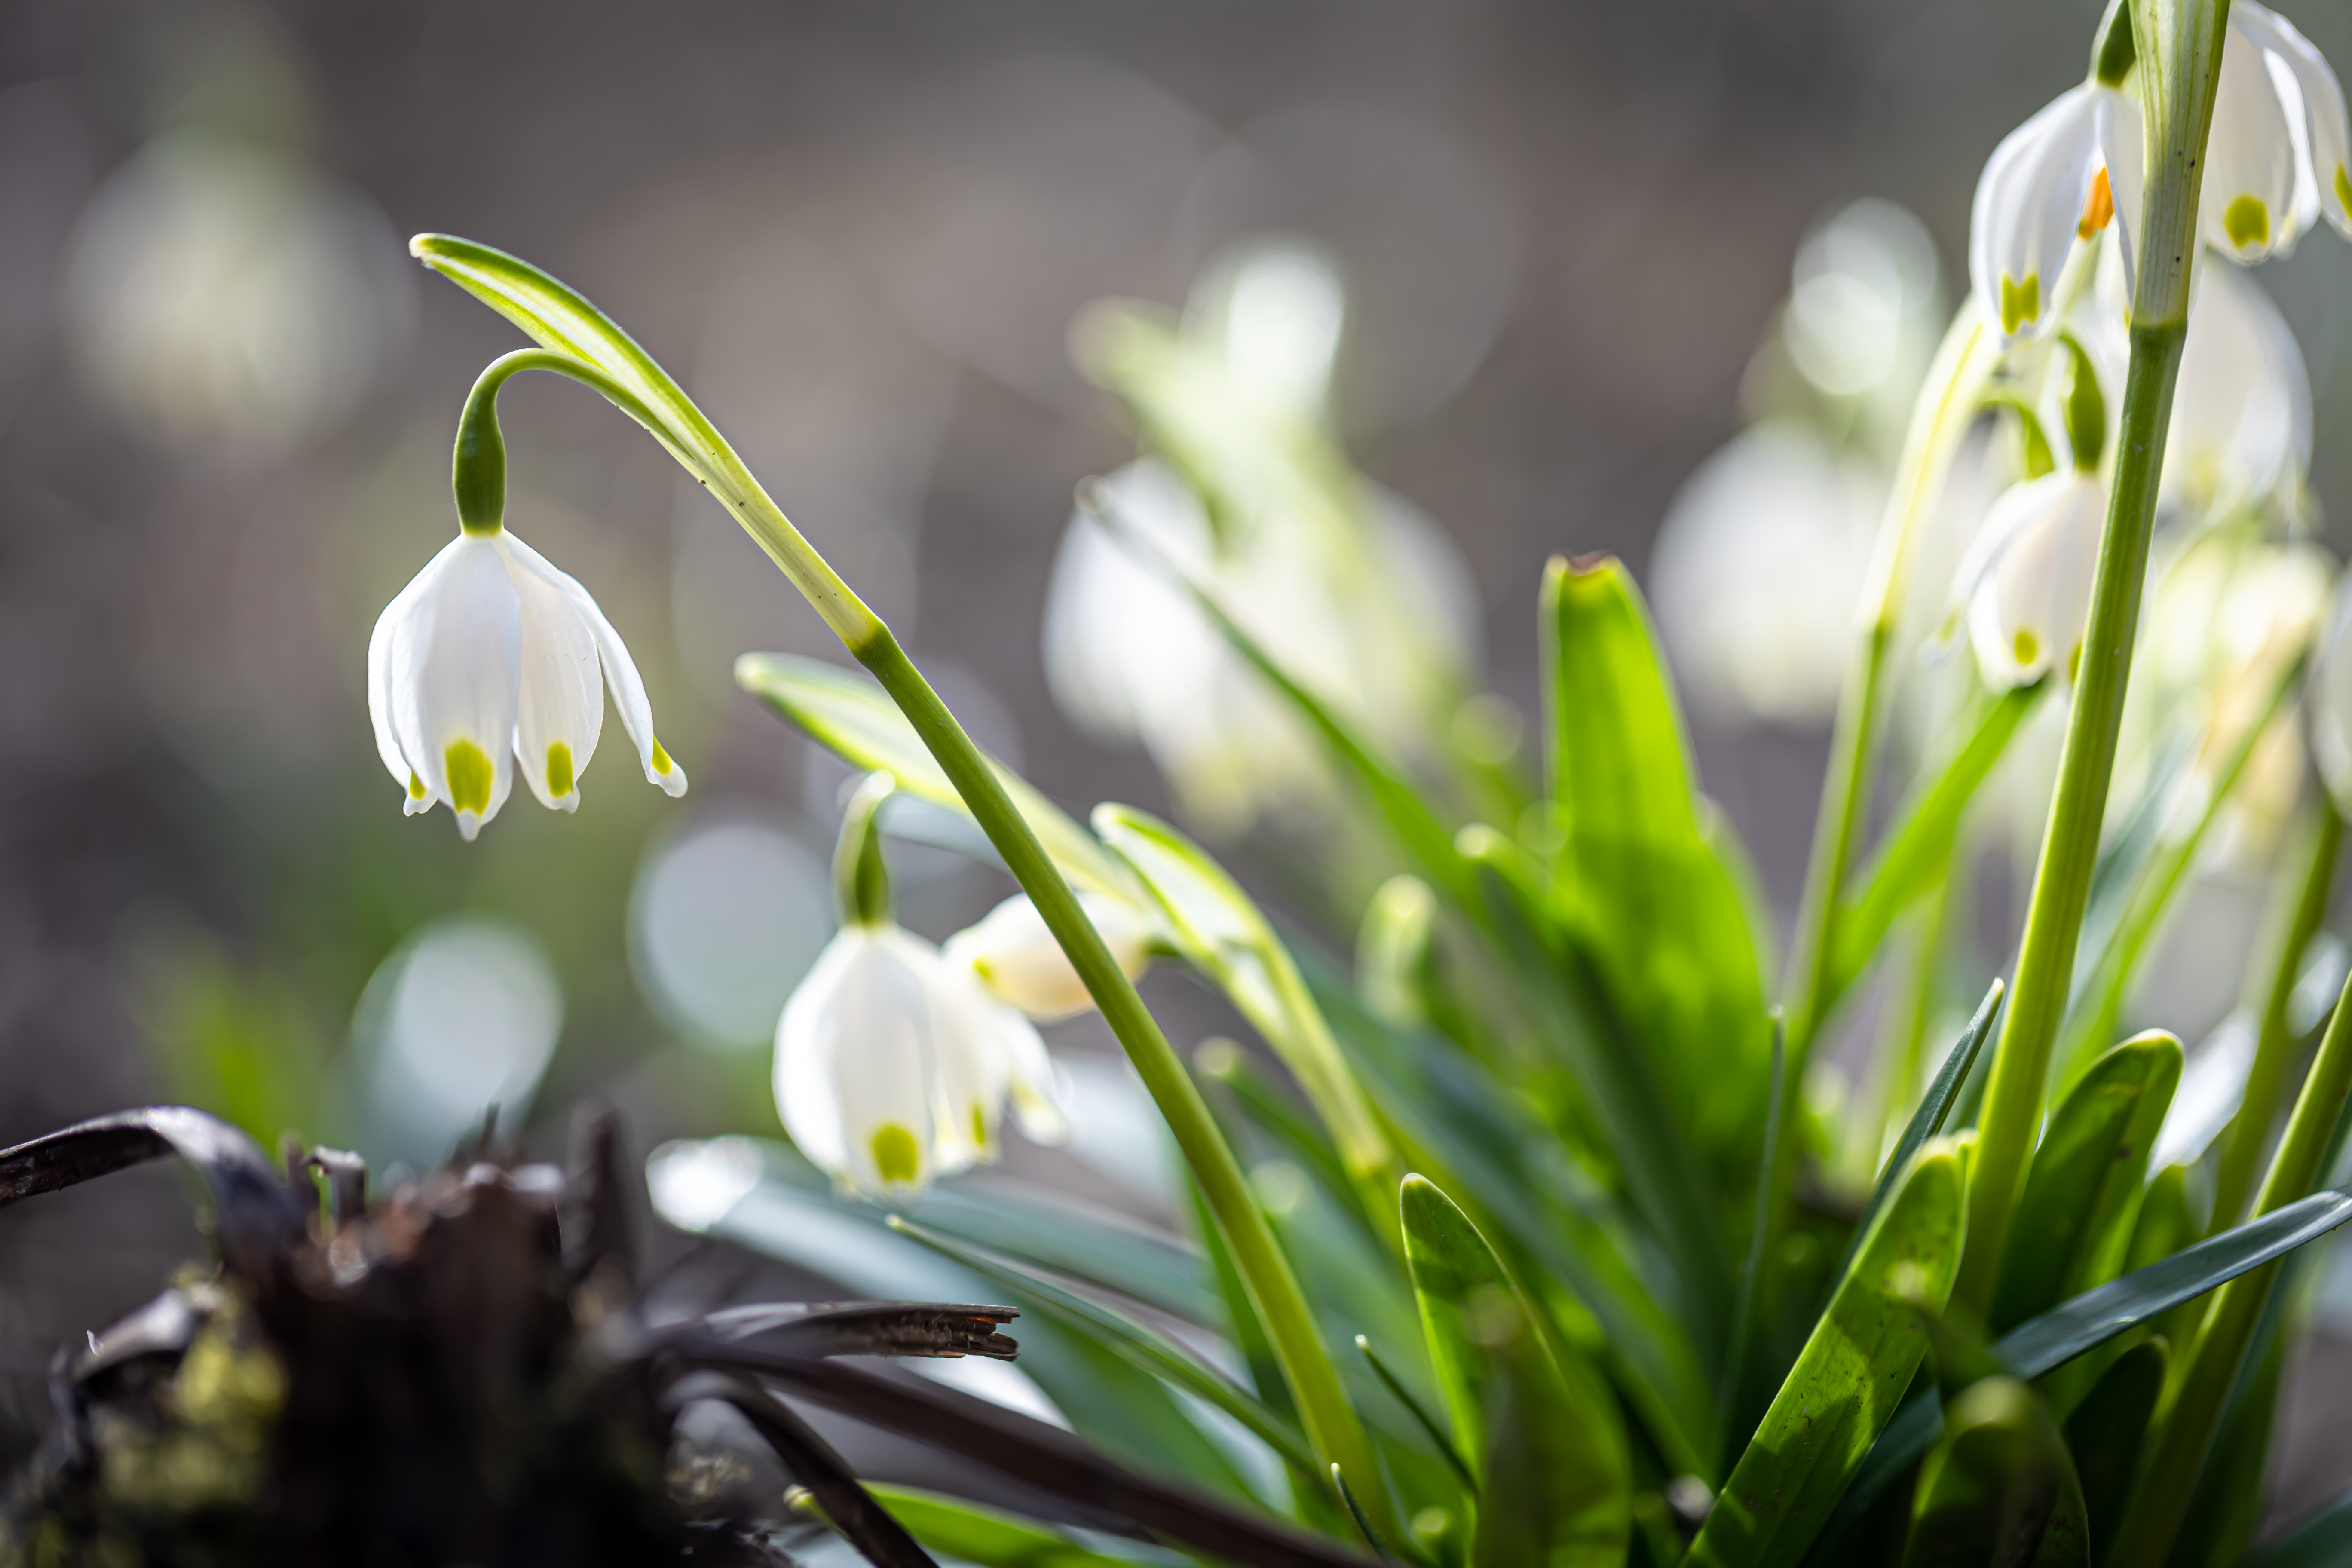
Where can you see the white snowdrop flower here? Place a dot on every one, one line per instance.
(1017, 959)
(892, 1062)
(2028, 586)
(2277, 156)
(2240, 429)
(492, 658)
(2061, 176)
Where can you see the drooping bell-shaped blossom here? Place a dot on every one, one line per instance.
(492, 660)
(2060, 177)
(2276, 159)
(893, 1062)
(1016, 958)
(2028, 581)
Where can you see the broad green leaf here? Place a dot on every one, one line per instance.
(1461, 1126)
(1999, 1489)
(997, 1540)
(2037, 1347)
(1928, 1119)
(2071, 1225)
(1916, 848)
(1222, 931)
(845, 711)
(1846, 1382)
(1536, 1426)
(2107, 1429)
(1153, 1351)
(1658, 908)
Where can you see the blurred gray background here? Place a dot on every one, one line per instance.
(857, 233)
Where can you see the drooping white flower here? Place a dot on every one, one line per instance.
(893, 1063)
(492, 658)
(2027, 580)
(2277, 156)
(2061, 176)
(1017, 959)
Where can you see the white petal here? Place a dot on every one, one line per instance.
(620, 671)
(381, 698)
(1040, 1096)
(2240, 429)
(2329, 138)
(2123, 142)
(560, 709)
(2331, 707)
(2029, 202)
(1017, 959)
(852, 1077)
(2247, 206)
(451, 671)
(2028, 614)
(966, 1064)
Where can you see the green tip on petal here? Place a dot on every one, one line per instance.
(2344, 186)
(559, 769)
(2247, 221)
(2021, 303)
(415, 785)
(979, 1129)
(2025, 646)
(896, 1155)
(661, 765)
(469, 777)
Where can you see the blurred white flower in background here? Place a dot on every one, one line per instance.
(724, 920)
(1350, 589)
(1757, 570)
(463, 1016)
(1016, 958)
(1764, 550)
(226, 300)
(2331, 702)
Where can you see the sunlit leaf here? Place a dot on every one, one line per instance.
(1998, 1490)
(996, 1540)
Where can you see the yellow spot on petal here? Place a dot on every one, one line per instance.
(469, 777)
(2100, 210)
(2247, 222)
(415, 785)
(559, 769)
(896, 1154)
(2025, 646)
(2344, 186)
(979, 1129)
(2020, 302)
(662, 763)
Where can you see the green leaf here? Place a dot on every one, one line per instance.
(1926, 1122)
(1846, 1382)
(1534, 1422)
(1222, 933)
(842, 711)
(2073, 1222)
(996, 1540)
(2107, 1429)
(2324, 1541)
(1152, 1352)
(1916, 848)
(1998, 1490)
(1660, 911)
(1731, 1400)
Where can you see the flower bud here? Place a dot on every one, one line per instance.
(1017, 959)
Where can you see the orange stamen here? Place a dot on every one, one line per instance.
(2099, 210)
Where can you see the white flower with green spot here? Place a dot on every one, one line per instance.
(490, 659)
(2060, 177)
(1017, 959)
(893, 1063)
(2277, 158)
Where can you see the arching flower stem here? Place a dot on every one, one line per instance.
(581, 342)
(477, 469)
(2180, 58)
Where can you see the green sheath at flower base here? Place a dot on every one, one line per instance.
(861, 880)
(581, 341)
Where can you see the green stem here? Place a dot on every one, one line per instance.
(2242, 1143)
(479, 468)
(1946, 405)
(2184, 1428)
(1331, 1423)
(2181, 63)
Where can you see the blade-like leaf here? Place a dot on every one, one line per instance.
(848, 1507)
(1145, 1347)
(1926, 1122)
(870, 1328)
(845, 711)
(996, 1540)
(2323, 1540)
(1732, 1397)
(1917, 848)
(1535, 1425)
(2073, 1221)
(2105, 1430)
(1998, 1490)
(1847, 1381)
(1662, 914)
